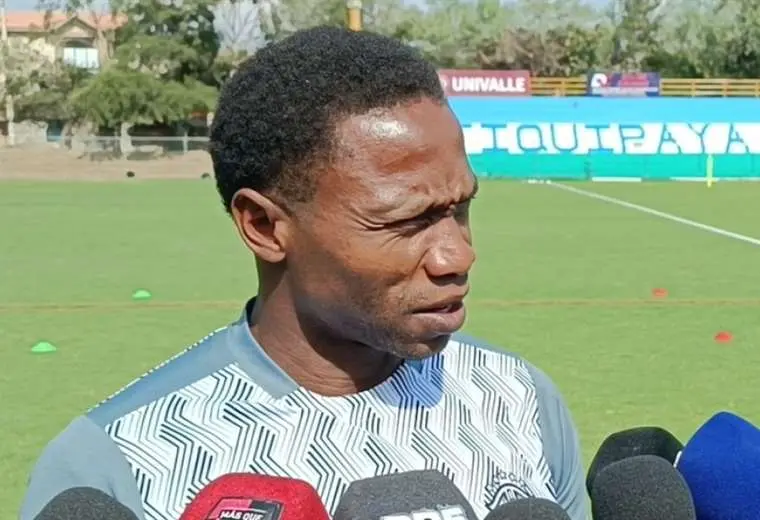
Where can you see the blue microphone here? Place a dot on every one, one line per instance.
(721, 465)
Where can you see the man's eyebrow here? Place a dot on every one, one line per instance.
(464, 198)
(418, 207)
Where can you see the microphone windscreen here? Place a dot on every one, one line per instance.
(721, 465)
(645, 487)
(260, 497)
(423, 495)
(646, 440)
(85, 503)
(528, 509)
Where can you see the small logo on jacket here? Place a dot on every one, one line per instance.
(505, 487)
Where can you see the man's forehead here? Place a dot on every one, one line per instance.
(384, 126)
(389, 156)
(401, 137)
(384, 131)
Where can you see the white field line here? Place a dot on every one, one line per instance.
(661, 214)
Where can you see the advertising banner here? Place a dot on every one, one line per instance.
(618, 84)
(485, 83)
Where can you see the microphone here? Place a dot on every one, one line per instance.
(645, 440)
(84, 503)
(720, 464)
(643, 487)
(414, 495)
(246, 496)
(528, 509)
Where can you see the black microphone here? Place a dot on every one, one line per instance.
(645, 440)
(644, 487)
(84, 503)
(528, 509)
(415, 495)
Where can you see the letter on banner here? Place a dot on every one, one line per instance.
(532, 143)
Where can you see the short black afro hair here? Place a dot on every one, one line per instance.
(276, 115)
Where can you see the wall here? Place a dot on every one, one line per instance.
(585, 137)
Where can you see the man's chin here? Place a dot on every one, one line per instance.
(424, 349)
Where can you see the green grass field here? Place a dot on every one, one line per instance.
(562, 279)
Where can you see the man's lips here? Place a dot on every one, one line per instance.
(443, 305)
(446, 316)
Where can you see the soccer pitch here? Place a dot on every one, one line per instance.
(564, 279)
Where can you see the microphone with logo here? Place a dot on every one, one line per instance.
(84, 503)
(244, 496)
(643, 487)
(528, 509)
(644, 440)
(720, 464)
(414, 495)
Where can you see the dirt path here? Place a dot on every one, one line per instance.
(46, 163)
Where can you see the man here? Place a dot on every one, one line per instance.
(344, 172)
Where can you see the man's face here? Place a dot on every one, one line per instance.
(383, 256)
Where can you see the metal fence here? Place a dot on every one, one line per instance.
(105, 157)
(128, 147)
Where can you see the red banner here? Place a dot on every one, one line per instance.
(493, 83)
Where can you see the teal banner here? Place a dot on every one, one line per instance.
(613, 167)
(597, 138)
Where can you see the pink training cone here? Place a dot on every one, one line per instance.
(659, 292)
(724, 337)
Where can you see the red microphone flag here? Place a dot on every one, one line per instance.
(245, 496)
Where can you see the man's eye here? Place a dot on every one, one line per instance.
(429, 219)
(418, 223)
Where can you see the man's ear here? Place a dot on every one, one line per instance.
(262, 224)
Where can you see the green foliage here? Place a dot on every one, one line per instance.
(742, 39)
(174, 39)
(118, 96)
(637, 34)
(169, 60)
(50, 99)
(163, 67)
(38, 85)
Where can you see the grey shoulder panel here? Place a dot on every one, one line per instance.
(83, 455)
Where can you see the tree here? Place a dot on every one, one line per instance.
(637, 34)
(119, 96)
(741, 40)
(447, 32)
(163, 67)
(240, 25)
(280, 18)
(51, 98)
(40, 87)
(567, 50)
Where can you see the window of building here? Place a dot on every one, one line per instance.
(81, 55)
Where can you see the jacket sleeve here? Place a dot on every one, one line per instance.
(83, 455)
(561, 447)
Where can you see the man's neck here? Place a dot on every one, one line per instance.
(329, 368)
